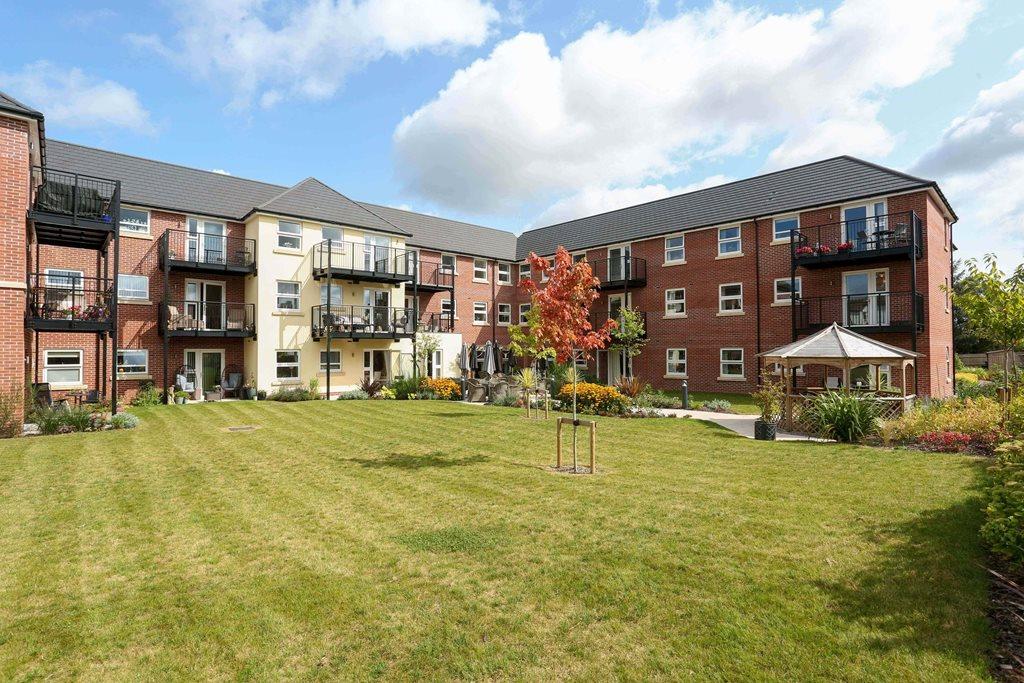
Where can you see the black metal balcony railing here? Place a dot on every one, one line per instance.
(437, 322)
(872, 237)
(886, 311)
(598, 319)
(183, 249)
(434, 275)
(363, 322)
(619, 271)
(69, 298)
(209, 318)
(364, 261)
(73, 195)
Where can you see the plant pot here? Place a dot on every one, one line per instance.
(764, 431)
(212, 395)
(180, 400)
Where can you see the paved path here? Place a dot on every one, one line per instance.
(741, 424)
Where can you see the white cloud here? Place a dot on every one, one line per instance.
(979, 162)
(307, 49)
(221, 171)
(594, 200)
(620, 108)
(75, 99)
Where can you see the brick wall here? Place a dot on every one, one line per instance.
(15, 161)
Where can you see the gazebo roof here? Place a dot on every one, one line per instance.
(836, 345)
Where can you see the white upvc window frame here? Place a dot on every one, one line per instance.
(323, 357)
(668, 313)
(122, 229)
(680, 248)
(723, 241)
(454, 268)
(447, 303)
(671, 362)
(524, 309)
(787, 297)
(48, 367)
(297, 296)
(131, 297)
(785, 239)
(477, 267)
(480, 309)
(525, 271)
(504, 310)
(64, 278)
(722, 363)
(279, 365)
(121, 365)
(289, 235)
(723, 298)
(504, 275)
(323, 237)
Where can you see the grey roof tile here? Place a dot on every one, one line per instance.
(312, 199)
(442, 234)
(8, 103)
(816, 184)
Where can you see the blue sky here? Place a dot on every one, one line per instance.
(519, 113)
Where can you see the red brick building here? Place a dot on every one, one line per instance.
(106, 260)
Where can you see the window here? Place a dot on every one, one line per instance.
(945, 290)
(524, 271)
(479, 312)
(335, 292)
(329, 233)
(576, 258)
(731, 365)
(777, 369)
(132, 362)
(287, 365)
(448, 308)
(675, 249)
(783, 295)
(505, 314)
(135, 221)
(949, 366)
(289, 235)
(335, 361)
(64, 279)
(675, 362)
(479, 270)
(504, 273)
(132, 286)
(730, 298)
(523, 310)
(729, 241)
(784, 227)
(675, 302)
(448, 263)
(63, 368)
(434, 365)
(287, 295)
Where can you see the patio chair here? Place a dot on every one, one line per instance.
(231, 381)
(831, 382)
(44, 397)
(476, 391)
(182, 381)
(179, 321)
(499, 389)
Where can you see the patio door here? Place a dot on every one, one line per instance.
(208, 366)
(619, 365)
(377, 302)
(375, 364)
(865, 226)
(206, 241)
(616, 302)
(867, 299)
(618, 262)
(375, 253)
(204, 303)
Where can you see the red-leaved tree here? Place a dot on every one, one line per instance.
(563, 323)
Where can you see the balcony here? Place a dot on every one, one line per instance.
(73, 210)
(874, 312)
(68, 302)
(434, 277)
(875, 238)
(359, 261)
(598, 319)
(437, 323)
(362, 322)
(218, 254)
(621, 272)
(184, 318)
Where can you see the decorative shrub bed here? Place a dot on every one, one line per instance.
(1004, 516)
(959, 425)
(443, 388)
(594, 399)
(80, 419)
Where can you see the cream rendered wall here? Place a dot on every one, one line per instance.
(286, 330)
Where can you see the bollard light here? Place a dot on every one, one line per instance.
(686, 396)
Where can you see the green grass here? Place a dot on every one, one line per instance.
(741, 403)
(422, 539)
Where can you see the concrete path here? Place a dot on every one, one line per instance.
(741, 424)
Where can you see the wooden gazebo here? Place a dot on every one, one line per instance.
(841, 348)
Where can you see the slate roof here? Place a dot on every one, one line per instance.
(312, 199)
(821, 183)
(442, 234)
(8, 103)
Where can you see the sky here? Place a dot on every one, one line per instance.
(521, 113)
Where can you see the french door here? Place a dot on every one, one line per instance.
(375, 365)
(867, 298)
(207, 365)
(206, 241)
(618, 262)
(204, 304)
(377, 303)
(616, 302)
(375, 253)
(866, 226)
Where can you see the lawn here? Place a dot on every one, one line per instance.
(429, 540)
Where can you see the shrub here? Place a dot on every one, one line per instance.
(843, 416)
(425, 395)
(716, 405)
(314, 387)
(508, 400)
(966, 388)
(148, 395)
(443, 388)
(371, 386)
(656, 399)
(1003, 529)
(631, 387)
(68, 420)
(594, 398)
(770, 397)
(261, 395)
(353, 395)
(1015, 416)
(386, 393)
(979, 418)
(12, 402)
(405, 387)
(291, 395)
(945, 442)
(124, 421)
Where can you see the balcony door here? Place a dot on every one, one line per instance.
(377, 303)
(866, 297)
(206, 241)
(866, 226)
(375, 253)
(207, 365)
(205, 304)
(375, 365)
(618, 262)
(616, 302)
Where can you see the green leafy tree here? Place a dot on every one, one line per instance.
(630, 334)
(526, 343)
(965, 340)
(426, 345)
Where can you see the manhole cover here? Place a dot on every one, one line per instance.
(243, 428)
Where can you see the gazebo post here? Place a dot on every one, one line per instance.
(878, 377)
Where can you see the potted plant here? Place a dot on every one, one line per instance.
(769, 399)
(844, 247)
(180, 397)
(249, 388)
(804, 251)
(215, 395)
(824, 249)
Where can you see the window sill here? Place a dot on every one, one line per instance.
(134, 376)
(285, 382)
(479, 281)
(287, 313)
(776, 243)
(76, 386)
(729, 314)
(672, 376)
(479, 324)
(673, 316)
(135, 235)
(289, 252)
(504, 324)
(505, 284)
(668, 264)
(731, 378)
(782, 303)
(135, 302)
(722, 257)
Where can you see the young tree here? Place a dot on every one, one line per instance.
(525, 343)
(994, 305)
(965, 340)
(630, 335)
(426, 345)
